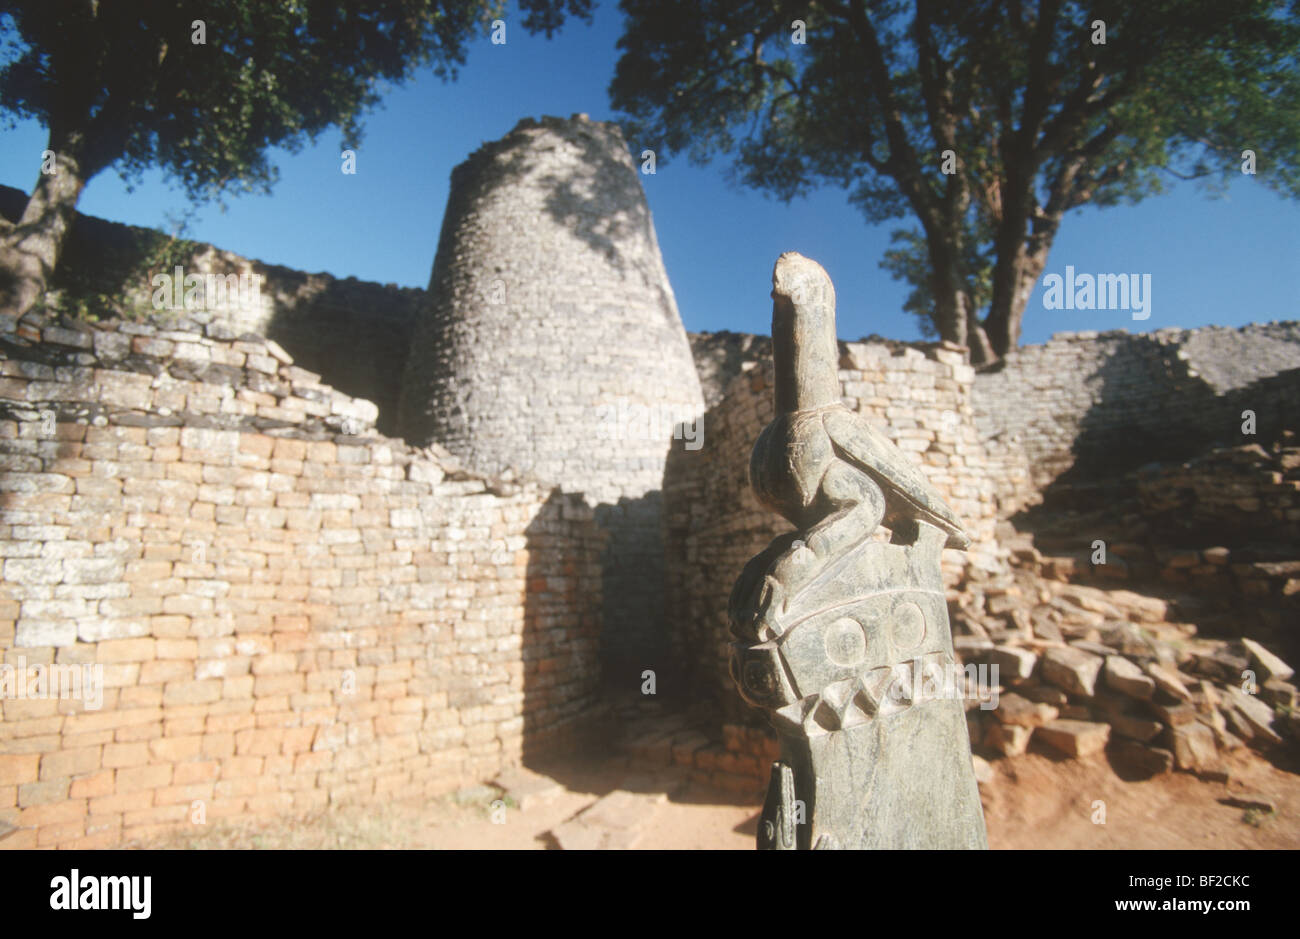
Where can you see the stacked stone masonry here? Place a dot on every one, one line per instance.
(287, 616)
(1244, 493)
(548, 346)
(355, 332)
(1081, 669)
(1110, 402)
(294, 609)
(551, 344)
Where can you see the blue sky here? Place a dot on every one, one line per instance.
(1221, 261)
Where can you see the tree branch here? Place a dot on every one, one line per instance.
(902, 164)
(1035, 106)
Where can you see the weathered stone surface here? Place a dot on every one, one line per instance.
(33, 632)
(1174, 715)
(972, 648)
(579, 836)
(1129, 639)
(1008, 739)
(842, 639)
(1095, 648)
(1208, 699)
(1072, 670)
(1140, 608)
(1220, 664)
(1193, 746)
(1237, 722)
(1279, 694)
(614, 821)
(1135, 726)
(1073, 737)
(1045, 694)
(1168, 681)
(621, 809)
(1014, 663)
(276, 351)
(1258, 715)
(1149, 761)
(1016, 710)
(1260, 803)
(1045, 627)
(526, 788)
(1266, 663)
(1089, 598)
(1218, 775)
(1127, 678)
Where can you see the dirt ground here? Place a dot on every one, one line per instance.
(1040, 802)
(1035, 801)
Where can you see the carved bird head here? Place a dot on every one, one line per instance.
(804, 346)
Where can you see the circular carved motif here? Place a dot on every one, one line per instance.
(846, 643)
(759, 679)
(908, 625)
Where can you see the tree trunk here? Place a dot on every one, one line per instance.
(1011, 290)
(955, 317)
(1021, 258)
(982, 351)
(949, 315)
(29, 250)
(1003, 320)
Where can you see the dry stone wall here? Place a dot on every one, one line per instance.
(549, 304)
(1243, 493)
(551, 345)
(286, 616)
(1110, 402)
(293, 609)
(355, 333)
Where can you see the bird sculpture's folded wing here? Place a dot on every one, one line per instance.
(862, 445)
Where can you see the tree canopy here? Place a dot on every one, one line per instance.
(984, 121)
(204, 88)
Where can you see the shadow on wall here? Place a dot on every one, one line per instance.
(1187, 497)
(604, 208)
(559, 654)
(684, 607)
(712, 527)
(1175, 447)
(355, 341)
(1150, 408)
(633, 638)
(590, 214)
(354, 334)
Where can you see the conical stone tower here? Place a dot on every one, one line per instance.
(552, 345)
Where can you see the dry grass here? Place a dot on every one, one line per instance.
(384, 825)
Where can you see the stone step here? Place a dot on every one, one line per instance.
(526, 788)
(615, 820)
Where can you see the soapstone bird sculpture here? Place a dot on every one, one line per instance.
(819, 464)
